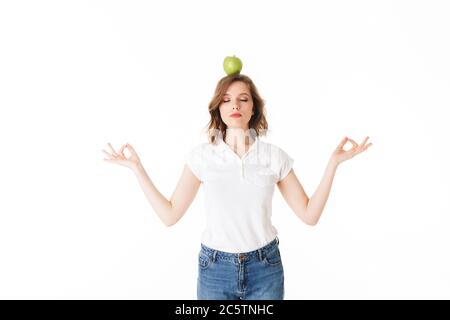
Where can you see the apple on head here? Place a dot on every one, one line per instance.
(232, 65)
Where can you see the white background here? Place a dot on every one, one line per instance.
(75, 75)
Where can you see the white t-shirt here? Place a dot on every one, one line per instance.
(238, 192)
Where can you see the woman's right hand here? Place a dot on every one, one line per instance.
(119, 157)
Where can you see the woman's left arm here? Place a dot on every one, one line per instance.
(310, 210)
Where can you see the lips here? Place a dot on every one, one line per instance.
(235, 115)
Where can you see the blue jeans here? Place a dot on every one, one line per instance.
(254, 275)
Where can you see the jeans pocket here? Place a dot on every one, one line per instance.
(273, 257)
(203, 261)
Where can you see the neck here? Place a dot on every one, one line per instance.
(238, 137)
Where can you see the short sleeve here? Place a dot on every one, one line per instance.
(286, 163)
(194, 160)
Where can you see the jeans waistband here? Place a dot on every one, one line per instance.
(261, 252)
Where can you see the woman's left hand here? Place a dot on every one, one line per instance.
(340, 155)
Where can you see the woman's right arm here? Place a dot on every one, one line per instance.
(169, 211)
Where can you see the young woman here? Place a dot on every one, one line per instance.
(239, 254)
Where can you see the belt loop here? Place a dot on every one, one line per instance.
(260, 254)
(278, 241)
(214, 256)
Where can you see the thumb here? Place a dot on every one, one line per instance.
(129, 147)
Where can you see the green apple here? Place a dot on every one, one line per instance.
(232, 65)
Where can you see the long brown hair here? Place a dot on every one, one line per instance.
(257, 125)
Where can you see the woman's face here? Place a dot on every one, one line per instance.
(237, 100)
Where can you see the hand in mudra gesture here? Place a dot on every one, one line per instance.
(339, 155)
(119, 157)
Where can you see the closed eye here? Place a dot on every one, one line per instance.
(229, 100)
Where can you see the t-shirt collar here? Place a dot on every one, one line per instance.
(223, 147)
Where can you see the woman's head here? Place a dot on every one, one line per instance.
(236, 94)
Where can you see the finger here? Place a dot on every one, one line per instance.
(112, 149)
(364, 141)
(107, 153)
(343, 142)
(355, 145)
(367, 146)
(121, 150)
(353, 142)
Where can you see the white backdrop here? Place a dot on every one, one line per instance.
(75, 75)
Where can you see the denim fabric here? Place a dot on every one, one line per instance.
(255, 275)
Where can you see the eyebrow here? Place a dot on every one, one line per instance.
(227, 94)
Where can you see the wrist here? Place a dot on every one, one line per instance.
(333, 161)
(137, 168)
